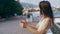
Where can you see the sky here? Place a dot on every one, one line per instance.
(55, 3)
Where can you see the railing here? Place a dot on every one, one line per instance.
(57, 17)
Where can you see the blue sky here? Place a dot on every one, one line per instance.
(55, 3)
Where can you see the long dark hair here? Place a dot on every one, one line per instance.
(45, 9)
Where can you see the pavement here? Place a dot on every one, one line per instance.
(11, 26)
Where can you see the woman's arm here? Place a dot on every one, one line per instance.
(41, 29)
(23, 22)
(33, 25)
(33, 30)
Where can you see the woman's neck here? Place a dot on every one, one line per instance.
(44, 16)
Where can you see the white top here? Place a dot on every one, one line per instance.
(41, 24)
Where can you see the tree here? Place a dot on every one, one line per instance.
(9, 7)
(19, 8)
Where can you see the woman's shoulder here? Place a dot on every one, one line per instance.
(47, 18)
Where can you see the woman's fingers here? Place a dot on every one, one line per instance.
(22, 23)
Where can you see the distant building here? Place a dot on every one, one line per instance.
(54, 9)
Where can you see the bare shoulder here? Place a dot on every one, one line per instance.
(48, 19)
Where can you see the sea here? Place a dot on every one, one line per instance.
(56, 14)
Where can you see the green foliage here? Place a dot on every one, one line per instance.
(55, 29)
(18, 8)
(9, 7)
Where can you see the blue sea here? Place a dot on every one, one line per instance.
(56, 14)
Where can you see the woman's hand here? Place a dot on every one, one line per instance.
(22, 23)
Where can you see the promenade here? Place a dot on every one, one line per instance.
(11, 26)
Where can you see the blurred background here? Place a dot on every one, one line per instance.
(12, 11)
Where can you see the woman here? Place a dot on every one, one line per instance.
(45, 22)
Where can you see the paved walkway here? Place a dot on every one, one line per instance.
(12, 27)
